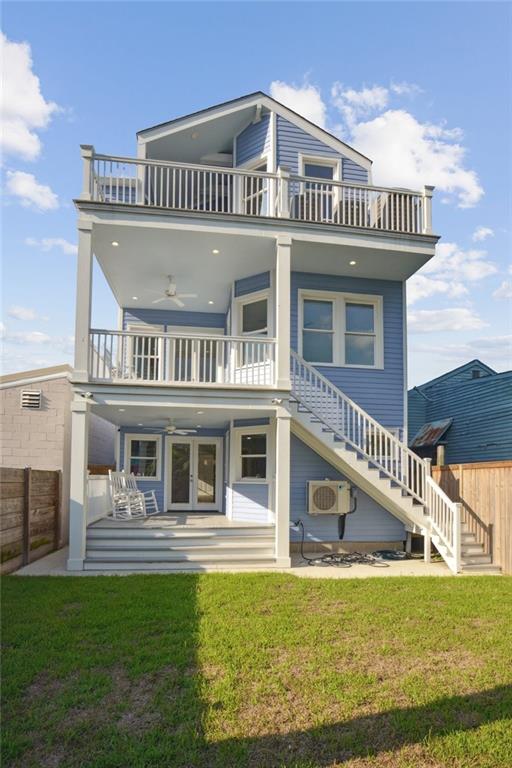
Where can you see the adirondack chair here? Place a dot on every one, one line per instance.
(128, 502)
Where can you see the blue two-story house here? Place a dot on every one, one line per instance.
(258, 371)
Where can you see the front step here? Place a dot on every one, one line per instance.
(247, 564)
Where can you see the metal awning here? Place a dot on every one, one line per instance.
(430, 433)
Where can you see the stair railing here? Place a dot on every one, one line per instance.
(380, 447)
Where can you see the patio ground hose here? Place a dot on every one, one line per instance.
(338, 559)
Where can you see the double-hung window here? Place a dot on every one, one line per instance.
(253, 455)
(341, 329)
(143, 456)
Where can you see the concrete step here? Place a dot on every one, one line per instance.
(481, 559)
(471, 549)
(488, 568)
(117, 564)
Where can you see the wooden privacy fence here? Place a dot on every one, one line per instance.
(485, 491)
(30, 501)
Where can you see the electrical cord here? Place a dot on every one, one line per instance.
(338, 559)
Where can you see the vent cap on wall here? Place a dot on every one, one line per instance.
(31, 398)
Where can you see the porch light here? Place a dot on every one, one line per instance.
(352, 263)
(115, 243)
(215, 251)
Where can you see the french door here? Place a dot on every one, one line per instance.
(195, 473)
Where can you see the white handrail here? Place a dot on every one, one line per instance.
(349, 422)
(182, 359)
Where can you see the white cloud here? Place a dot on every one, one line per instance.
(421, 287)
(504, 291)
(494, 349)
(304, 99)
(408, 153)
(405, 89)
(22, 313)
(24, 109)
(48, 243)
(26, 337)
(353, 104)
(436, 320)
(31, 194)
(455, 264)
(481, 233)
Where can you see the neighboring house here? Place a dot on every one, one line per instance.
(260, 281)
(463, 416)
(35, 425)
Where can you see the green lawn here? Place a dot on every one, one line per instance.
(256, 670)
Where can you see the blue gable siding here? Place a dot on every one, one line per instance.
(171, 318)
(369, 522)
(292, 140)
(252, 284)
(380, 392)
(254, 141)
(481, 410)
(416, 413)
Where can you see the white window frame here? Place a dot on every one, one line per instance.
(332, 162)
(127, 454)
(340, 299)
(239, 432)
(251, 298)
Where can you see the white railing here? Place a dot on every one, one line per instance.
(98, 493)
(380, 447)
(445, 516)
(165, 358)
(213, 189)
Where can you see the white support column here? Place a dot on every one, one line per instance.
(87, 152)
(282, 299)
(83, 301)
(78, 484)
(282, 488)
(427, 210)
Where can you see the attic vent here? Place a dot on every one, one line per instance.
(31, 398)
(475, 374)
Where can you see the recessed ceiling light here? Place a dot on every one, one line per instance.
(115, 243)
(122, 409)
(198, 426)
(352, 263)
(195, 134)
(135, 298)
(140, 425)
(210, 302)
(215, 251)
(199, 413)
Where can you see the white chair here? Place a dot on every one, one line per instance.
(128, 502)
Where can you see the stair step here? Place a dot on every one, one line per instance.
(192, 554)
(472, 549)
(481, 568)
(477, 560)
(128, 564)
(125, 531)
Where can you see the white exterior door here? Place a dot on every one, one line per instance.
(195, 473)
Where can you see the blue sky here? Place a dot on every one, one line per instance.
(435, 75)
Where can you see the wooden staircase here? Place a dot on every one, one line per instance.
(126, 547)
(381, 465)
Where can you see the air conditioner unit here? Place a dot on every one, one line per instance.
(329, 497)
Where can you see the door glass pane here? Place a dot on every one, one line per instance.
(206, 473)
(317, 347)
(254, 317)
(359, 350)
(318, 314)
(360, 318)
(180, 457)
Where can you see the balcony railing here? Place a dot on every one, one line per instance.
(164, 358)
(208, 189)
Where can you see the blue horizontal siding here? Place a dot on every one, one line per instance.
(292, 141)
(380, 392)
(252, 284)
(172, 318)
(370, 522)
(416, 413)
(250, 502)
(253, 141)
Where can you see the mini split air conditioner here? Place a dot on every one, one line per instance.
(329, 497)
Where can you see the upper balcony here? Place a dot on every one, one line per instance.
(230, 192)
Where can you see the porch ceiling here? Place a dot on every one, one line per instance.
(145, 256)
(155, 416)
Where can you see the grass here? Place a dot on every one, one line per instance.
(256, 670)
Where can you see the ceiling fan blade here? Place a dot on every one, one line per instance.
(177, 301)
(157, 301)
(186, 431)
(186, 295)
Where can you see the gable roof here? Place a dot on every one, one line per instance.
(242, 102)
(455, 372)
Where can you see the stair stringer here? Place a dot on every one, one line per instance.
(358, 472)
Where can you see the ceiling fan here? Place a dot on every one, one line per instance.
(172, 294)
(172, 429)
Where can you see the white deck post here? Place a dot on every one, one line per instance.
(426, 546)
(283, 193)
(427, 210)
(282, 488)
(78, 484)
(87, 152)
(457, 537)
(83, 301)
(283, 295)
